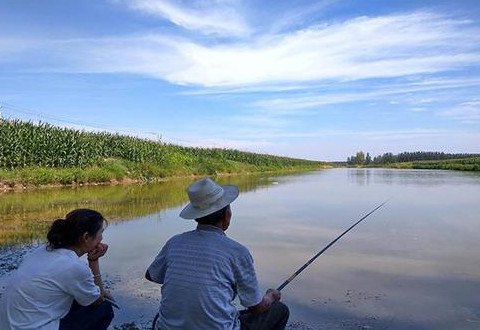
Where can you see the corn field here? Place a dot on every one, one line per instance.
(25, 144)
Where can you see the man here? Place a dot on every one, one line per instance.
(202, 271)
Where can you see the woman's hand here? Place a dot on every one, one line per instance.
(107, 295)
(97, 252)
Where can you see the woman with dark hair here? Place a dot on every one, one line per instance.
(53, 288)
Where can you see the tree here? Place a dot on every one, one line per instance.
(368, 159)
(360, 158)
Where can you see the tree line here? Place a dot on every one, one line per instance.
(360, 158)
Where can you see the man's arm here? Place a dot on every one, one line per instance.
(157, 269)
(269, 298)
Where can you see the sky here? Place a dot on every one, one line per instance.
(319, 80)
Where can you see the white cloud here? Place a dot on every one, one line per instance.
(418, 109)
(368, 135)
(304, 102)
(193, 140)
(389, 46)
(379, 47)
(10, 48)
(207, 17)
(336, 143)
(467, 112)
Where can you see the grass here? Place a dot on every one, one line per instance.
(42, 154)
(117, 170)
(465, 164)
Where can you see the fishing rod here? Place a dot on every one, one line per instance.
(284, 284)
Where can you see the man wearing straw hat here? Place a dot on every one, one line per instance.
(202, 271)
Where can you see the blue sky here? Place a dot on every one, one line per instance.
(309, 79)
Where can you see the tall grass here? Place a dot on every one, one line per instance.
(25, 144)
(465, 164)
(43, 153)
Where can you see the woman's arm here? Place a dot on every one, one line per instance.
(93, 262)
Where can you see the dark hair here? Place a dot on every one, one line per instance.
(66, 232)
(213, 218)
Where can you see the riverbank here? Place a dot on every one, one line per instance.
(12, 256)
(42, 154)
(471, 164)
(120, 172)
(463, 164)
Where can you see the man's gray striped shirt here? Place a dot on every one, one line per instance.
(202, 271)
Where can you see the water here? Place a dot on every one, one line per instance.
(413, 264)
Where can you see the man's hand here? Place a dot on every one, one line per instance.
(269, 298)
(274, 294)
(97, 252)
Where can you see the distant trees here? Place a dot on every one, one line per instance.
(368, 159)
(387, 158)
(358, 159)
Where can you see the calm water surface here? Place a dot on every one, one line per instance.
(414, 264)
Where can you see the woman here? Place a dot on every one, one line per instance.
(53, 288)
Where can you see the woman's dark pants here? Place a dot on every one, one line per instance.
(92, 317)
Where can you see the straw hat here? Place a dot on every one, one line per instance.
(207, 197)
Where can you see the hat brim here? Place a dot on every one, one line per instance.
(230, 193)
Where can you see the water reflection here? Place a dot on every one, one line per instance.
(363, 176)
(25, 216)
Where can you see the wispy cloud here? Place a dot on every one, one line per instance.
(11, 47)
(262, 140)
(368, 135)
(305, 102)
(365, 47)
(221, 17)
(467, 112)
(418, 109)
(299, 16)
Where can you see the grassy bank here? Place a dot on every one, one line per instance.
(466, 164)
(41, 154)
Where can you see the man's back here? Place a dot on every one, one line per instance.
(201, 272)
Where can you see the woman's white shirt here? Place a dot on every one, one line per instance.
(43, 288)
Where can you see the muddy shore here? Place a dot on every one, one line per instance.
(11, 257)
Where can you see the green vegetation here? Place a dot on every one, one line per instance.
(465, 164)
(419, 160)
(360, 159)
(44, 154)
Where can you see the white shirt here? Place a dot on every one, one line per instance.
(43, 288)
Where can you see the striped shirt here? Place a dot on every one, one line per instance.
(202, 271)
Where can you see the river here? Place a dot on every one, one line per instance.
(413, 264)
